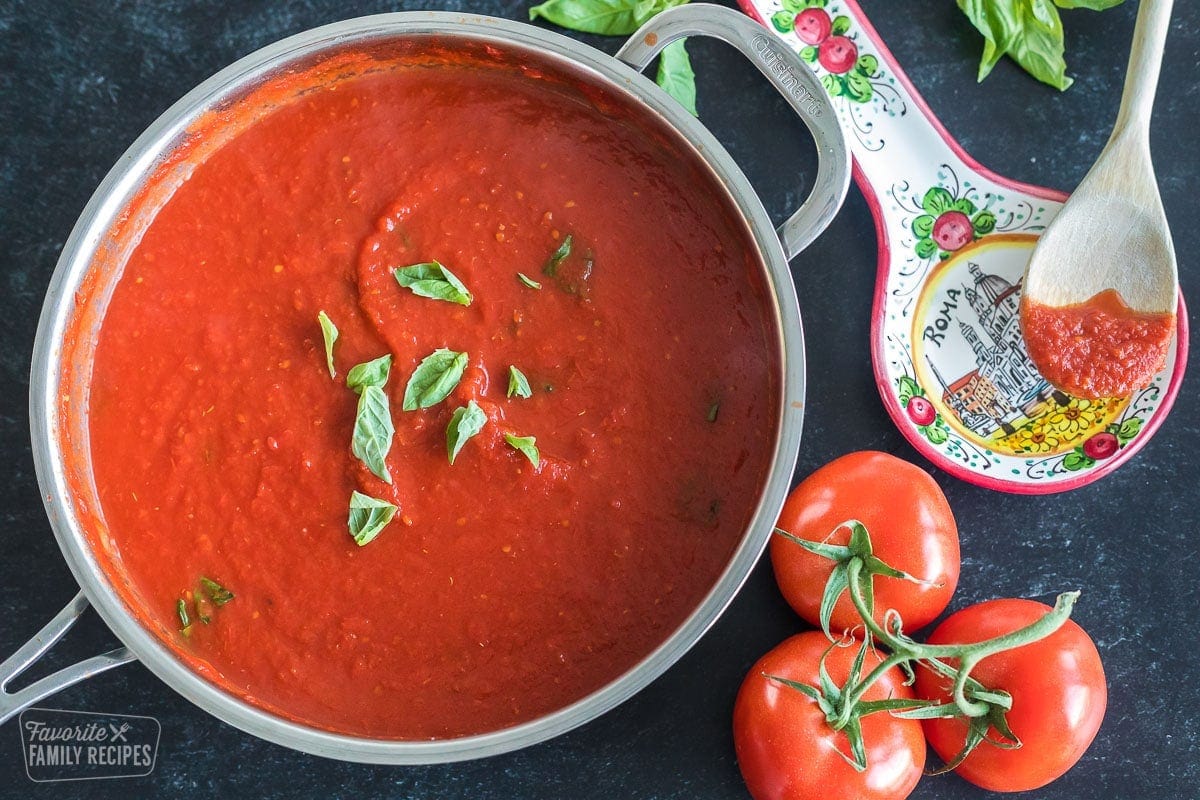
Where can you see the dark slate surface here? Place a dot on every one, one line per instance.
(79, 81)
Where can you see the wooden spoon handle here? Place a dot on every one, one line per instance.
(1145, 62)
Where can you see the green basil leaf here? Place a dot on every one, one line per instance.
(329, 333)
(1094, 5)
(373, 431)
(368, 516)
(556, 258)
(1040, 50)
(215, 591)
(465, 422)
(518, 384)
(1029, 31)
(676, 77)
(369, 373)
(433, 280)
(434, 379)
(608, 17)
(527, 445)
(181, 610)
(528, 281)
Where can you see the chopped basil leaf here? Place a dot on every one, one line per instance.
(518, 384)
(433, 280)
(181, 610)
(368, 517)
(201, 604)
(713, 410)
(526, 444)
(465, 422)
(373, 431)
(215, 591)
(434, 379)
(369, 373)
(528, 281)
(329, 333)
(557, 257)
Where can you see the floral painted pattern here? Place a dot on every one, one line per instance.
(828, 46)
(922, 413)
(949, 223)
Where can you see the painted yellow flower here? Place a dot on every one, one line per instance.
(1035, 438)
(1080, 418)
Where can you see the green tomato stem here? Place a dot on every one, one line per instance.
(967, 655)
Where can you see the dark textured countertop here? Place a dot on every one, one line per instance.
(79, 81)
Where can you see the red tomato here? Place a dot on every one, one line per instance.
(1058, 696)
(911, 528)
(787, 751)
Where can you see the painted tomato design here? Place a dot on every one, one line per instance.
(921, 411)
(1101, 446)
(839, 55)
(953, 231)
(813, 26)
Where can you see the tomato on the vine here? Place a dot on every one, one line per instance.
(911, 527)
(1058, 696)
(787, 750)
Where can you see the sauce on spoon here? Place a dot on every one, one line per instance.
(1098, 348)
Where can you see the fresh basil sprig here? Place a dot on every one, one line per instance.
(329, 333)
(1028, 31)
(526, 445)
(434, 379)
(433, 280)
(621, 18)
(518, 384)
(465, 422)
(373, 429)
(368, 517)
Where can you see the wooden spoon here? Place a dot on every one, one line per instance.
(1102, 286)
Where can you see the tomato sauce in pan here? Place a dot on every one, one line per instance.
(1098, 348)
(221, 447)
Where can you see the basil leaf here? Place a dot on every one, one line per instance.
(435, 377)
(181, 610)
(557, 257)
(1029, 31)
(518, 384)
(373, 431)
(329, 333)
(465, 422)
(1040, 50)
(1094, 5)
(215, 591)
(528, 281)
(368, 516)
(369, 373)
(526, 444)
(433, 280)
(676, 77)
(607, 17)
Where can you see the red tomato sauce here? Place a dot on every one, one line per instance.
(500, 592)
(1098, 348)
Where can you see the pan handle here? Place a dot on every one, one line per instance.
(12, 703)
(794, 80)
